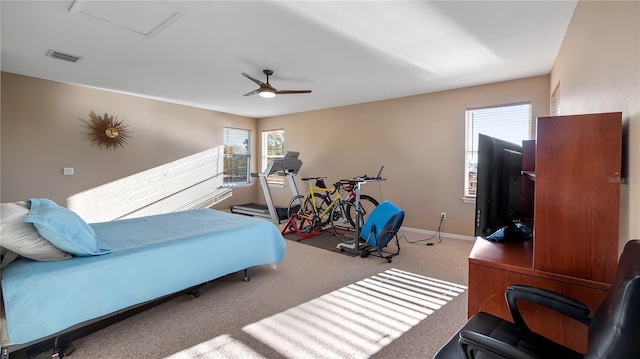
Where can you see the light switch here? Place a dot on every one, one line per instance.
(67, 171)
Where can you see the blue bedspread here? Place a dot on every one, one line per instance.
(151, 257)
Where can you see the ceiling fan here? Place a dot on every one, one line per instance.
(266, 90)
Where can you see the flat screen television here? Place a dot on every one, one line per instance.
(498, 191)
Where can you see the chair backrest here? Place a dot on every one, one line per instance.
(382, 224)
(614, 331)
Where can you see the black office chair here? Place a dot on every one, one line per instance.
(614, 329)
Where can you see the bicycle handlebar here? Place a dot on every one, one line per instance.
(361, 179)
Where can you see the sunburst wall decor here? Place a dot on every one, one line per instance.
(107, 131)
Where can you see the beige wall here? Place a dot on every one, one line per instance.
(419, 140)
(42, 132)
(598, 69)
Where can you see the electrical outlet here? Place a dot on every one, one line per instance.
(443, 215)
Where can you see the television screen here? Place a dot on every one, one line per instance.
(499, 190)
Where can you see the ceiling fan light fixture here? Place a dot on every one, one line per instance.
(266, 93)
(266, 90)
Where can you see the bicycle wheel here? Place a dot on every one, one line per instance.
(303, 220)
(315, 211)
(294, 205)
(367, 204)
(340, 223)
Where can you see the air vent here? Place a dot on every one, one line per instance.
(64, 57)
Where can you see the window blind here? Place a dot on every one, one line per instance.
(555, 101)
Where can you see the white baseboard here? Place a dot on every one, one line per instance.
(443, 234)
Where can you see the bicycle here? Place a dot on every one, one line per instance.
(316, 208)
(343, 217)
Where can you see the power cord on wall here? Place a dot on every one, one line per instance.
(428, 239)
(423, 239)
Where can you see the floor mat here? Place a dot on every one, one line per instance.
(324, 240)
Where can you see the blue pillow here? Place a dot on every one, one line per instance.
(63, 228)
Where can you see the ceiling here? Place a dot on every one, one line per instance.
(346, 52)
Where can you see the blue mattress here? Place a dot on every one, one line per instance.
(151, 257)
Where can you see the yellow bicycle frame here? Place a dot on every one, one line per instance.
(310, 195)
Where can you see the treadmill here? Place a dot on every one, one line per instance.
(288, 166)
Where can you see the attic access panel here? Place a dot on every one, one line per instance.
(142, 17)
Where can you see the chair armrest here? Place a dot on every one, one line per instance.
(493, 348)
(552, 300)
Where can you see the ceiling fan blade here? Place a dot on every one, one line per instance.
(288, 92)
(254, 92)
(260, 83)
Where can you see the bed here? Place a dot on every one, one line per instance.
(136, 261)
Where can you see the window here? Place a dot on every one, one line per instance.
(509, 123)
(237, 157)
(272, 148)
(555, 101)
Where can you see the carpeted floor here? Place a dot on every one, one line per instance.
(311, 306)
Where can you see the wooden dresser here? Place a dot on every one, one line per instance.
(572, 186)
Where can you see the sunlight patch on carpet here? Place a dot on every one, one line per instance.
(358, 320)
(222, 347)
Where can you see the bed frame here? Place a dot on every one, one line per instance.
(60, 343)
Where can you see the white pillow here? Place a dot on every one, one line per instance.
(22, 238)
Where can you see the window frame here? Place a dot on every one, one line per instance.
(225, 137)
(471, 141)
(266, 157)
